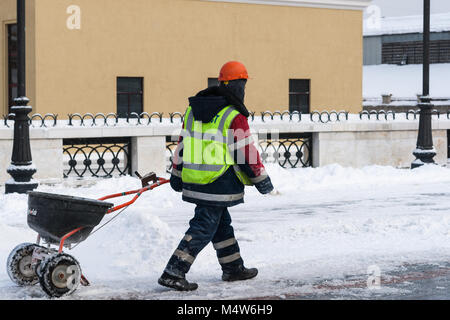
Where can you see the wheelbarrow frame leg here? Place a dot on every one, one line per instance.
(64, 238)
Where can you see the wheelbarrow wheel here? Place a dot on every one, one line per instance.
(19, 265)
(59, 275)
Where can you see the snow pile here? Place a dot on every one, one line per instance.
(404, 81)
(346, 179)
(326, 223)
(407, 24)
(128, 245)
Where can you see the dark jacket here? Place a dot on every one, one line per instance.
(227, 190)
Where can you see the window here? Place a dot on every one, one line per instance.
(299, 95)
(129, 96)
(213, 82)
(411, 52)
(12, 64)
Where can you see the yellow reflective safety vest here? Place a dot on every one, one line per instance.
(206, 156)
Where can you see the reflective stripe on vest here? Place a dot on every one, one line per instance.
(212, 197)
(243, 177)
(205, 154)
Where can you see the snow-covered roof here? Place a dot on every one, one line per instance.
(406, 24)
(334, 4)
(404, 81)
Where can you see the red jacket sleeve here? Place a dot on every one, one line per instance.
(245, 152)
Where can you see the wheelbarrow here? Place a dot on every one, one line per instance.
(63, 222)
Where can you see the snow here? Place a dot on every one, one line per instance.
(325, 223)
(28, 167)
(418, 151)
(407, 24)
(12, 181)
(405, 81)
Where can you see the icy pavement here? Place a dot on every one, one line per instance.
(329, 232)
(406, 282)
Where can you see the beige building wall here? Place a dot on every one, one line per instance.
(8, 16)
(177, 44)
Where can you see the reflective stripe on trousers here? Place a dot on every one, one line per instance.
(230, 258)
(209, 224)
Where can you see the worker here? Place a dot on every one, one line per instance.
(214, 159)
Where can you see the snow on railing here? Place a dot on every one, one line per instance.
(146, 119)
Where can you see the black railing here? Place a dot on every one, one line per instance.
(369, 115)
(146, 119)
(112, 119)
(391, 115)
(97, 157)
(289, 150)
(35, 120)
(315, 116)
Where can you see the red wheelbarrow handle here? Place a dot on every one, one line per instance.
(138, 193)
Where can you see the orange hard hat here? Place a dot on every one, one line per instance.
(233, 70)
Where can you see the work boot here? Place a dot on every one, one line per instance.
(240, 273)
(177, 283)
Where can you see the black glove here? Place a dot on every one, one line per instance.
(176, 183)
(264, 186)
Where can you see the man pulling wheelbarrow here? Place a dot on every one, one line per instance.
(214, 159)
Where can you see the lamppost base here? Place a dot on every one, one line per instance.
(20, 187)
(425, 150)
(423, 157)
(21, 181)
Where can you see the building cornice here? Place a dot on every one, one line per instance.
(330, 4)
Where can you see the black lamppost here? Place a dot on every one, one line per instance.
(425, 151)
(21, 168)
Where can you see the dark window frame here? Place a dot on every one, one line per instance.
(12, 58)
(299, 92)
(129, 94)
(213, 82)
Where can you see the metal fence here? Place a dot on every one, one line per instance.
(146, 119)
(392, 115)
(290, 150)
(97, 157)
(107, 157)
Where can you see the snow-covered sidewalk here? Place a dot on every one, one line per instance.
(327, 223)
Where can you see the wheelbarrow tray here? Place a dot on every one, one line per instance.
(54, 215)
